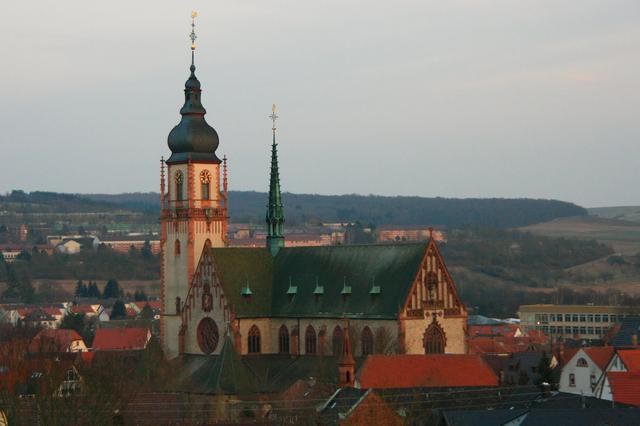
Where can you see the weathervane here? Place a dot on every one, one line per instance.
(193, 35)
(273, 117)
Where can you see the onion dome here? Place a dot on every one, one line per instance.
(193, 139)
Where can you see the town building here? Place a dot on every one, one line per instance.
(391, 233)
(125, 243)
(121, 339)
(57, 340)
(277, 299)
(581, 373)
(573, 321)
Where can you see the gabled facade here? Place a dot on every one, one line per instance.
(624, 360)
(581, 373)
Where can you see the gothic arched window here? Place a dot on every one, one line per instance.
(434, 340)
(336, 341)
(582, 362)
(205, 181)
(254, 340)
(283, 340)
(179, 185)
(367, 341)
(176, 247)
(310, 341)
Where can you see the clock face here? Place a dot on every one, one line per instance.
(208, 335)
(205, 176)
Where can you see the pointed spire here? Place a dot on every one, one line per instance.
(347, 364)
(275, 210)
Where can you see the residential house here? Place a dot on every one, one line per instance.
(627, 334)
(349, 406)
(121, 339)
(57, 340)
(622, 361)
(580, 374)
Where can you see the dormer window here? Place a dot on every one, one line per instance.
(292, 290)
(246, 292)
(318, 291)
(346, 290)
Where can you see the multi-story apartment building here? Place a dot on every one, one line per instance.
(581, 321)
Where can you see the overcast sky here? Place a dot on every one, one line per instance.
(451, 98)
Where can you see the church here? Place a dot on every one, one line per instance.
(295, 301)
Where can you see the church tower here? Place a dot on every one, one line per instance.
(194, 209)
(275, 211)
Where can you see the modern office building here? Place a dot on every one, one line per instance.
(573, 321)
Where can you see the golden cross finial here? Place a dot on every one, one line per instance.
(273, 117)
(193, 36)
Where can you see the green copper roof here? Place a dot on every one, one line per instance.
(237, 265)
(275, 210)
(394, 267)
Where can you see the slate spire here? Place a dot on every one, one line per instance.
(275, 210)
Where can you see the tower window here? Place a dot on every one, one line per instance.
(367, 341)
(283, 340)
(205, 182)
(254, 340)
(179, 184)
(310, 341)
(176, 248)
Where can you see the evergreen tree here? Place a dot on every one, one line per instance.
(81, 289)
(93, 290)
(119, 311)
(544, 370)
(145, 251)
(73, 321)
(140, 296)
(111, 290)
(147, 312)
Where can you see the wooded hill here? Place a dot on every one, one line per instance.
(249, 206)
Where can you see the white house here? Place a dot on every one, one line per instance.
(581, 373)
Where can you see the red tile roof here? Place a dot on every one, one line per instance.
(601, 355)
(498, 345)
(154, 304)
(120, 339)
(625, 387)
(631, 359)
(82, 309)
(53, 340)
(406, 371)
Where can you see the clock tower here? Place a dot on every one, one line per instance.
(194, 206)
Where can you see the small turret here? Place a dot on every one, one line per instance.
(347, 364)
